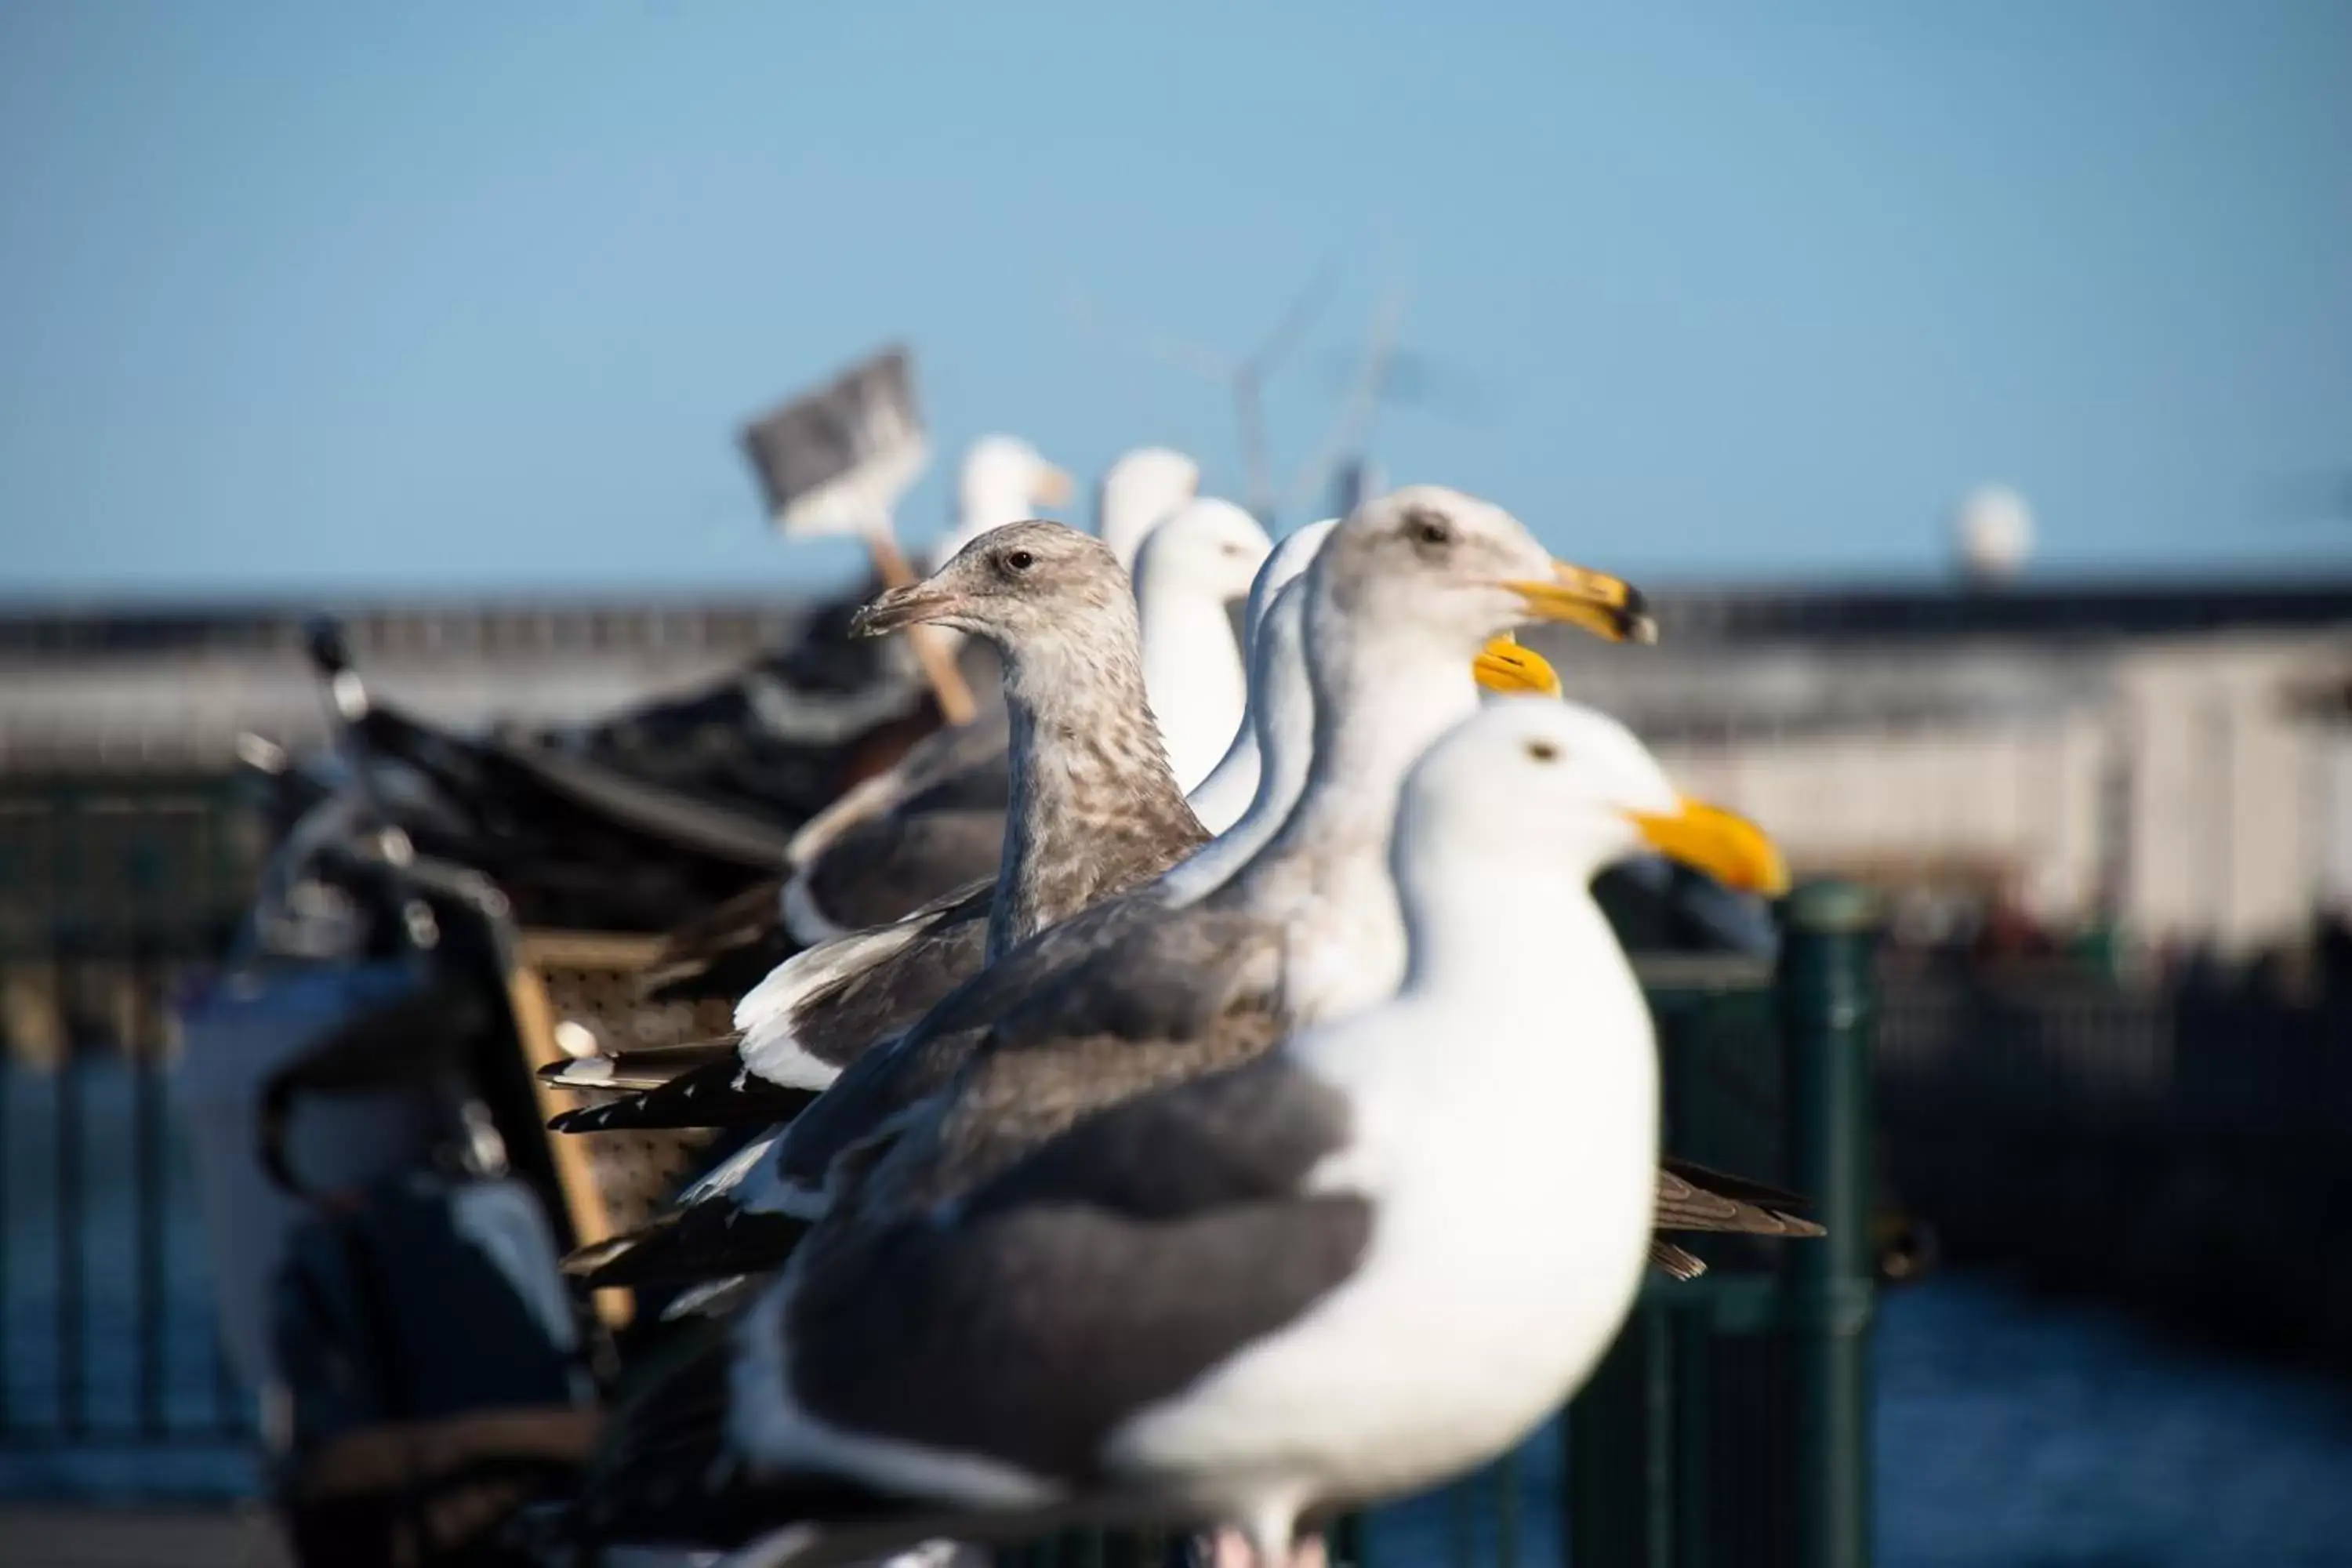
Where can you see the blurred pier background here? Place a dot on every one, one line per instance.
(447, 321)
(2108, 824)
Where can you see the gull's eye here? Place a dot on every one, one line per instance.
(1019, 560)
(1429, 528)
(1543, 751)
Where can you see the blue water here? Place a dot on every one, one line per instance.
(2014, 1429)
(2011, 1428)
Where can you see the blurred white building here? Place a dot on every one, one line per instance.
(2160, 752)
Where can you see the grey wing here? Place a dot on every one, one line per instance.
(1169, 979)
(1108, 1271)
(1244, 1135)
(1035, 962)
(980, 781)
(949, 767)
(1692, 1198)
(834, 1023)
(878, 871)
(962, 764)
(840, 1024)
(748, 918)
(1185, 1008)
(876, 1085)
(880, 1083)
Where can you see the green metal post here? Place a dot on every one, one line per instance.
(1827, 1011)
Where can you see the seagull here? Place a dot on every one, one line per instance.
(933, 823)
(1400, 600)
(1190, 570)
(1094, 808)
(1359, 1265)
(1397, 602)
(1232, 787)
(936, 822)
(1002, 479)
(735, 1218)
(818, 1010)
(1137, 491)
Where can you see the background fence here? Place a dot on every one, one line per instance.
(113, 895)
(2185, 1151)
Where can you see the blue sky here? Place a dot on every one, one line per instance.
(301, 297)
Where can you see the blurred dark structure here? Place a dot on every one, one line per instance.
(115, 894)
(2182, 1146)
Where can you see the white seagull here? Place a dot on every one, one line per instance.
(1364, 1263)
(1139, 490)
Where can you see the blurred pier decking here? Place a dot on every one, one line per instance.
(65, 1537)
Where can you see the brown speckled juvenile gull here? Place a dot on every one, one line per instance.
(1093, 810)
(885, 847)
(935, 821)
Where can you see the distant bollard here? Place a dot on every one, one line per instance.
(1827, 1000)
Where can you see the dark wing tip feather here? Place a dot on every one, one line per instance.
(1674, 1261)
(719, 1093)
(688, 1248)
(664, 1472)
(1747, 1190)
(1683, 1203)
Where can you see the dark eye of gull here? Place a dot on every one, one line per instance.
(1429, 528)
(1019, 560)
(1543, 751)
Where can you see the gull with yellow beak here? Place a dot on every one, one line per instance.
(1362, 1264)
(1194, 971)
(1306, 932)
(818, 1009)
(1251, 934)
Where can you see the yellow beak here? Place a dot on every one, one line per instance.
(1609, 608)
(1731, 850)
(1054, 487)
(1506, 667)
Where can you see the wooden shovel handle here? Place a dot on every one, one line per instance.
(938, 663)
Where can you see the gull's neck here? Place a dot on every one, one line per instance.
(1191, 669)
(1223, 798)
(1381, 696)
(1232, 788)
(1279, 734)
(1518, 1022)
(1484, 922)
(1094, 808)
